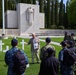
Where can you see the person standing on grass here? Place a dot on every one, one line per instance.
(44, 48)
(66, 36)
(65, 69)
(70, 46)
(72, 38)
(34, 41)
(50, 65)
(9, 55)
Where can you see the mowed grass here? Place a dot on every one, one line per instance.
(56, 39)
(34, 68)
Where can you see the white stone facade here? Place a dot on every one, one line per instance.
(11, 19)
(18, 19)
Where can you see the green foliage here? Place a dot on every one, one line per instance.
(72, 12)
(48, 14)
(61, 27)
(52, 13)
(41, 5)
(56, 12)
(29, 1)
(34, 1)
(53, 26)
(61, 14)
(0, 13)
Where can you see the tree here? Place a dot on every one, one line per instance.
(41, 5)
(29, 1)
(34, 1)
(66, 15)
(52, 13)
(72, 13)
(56, 12)
(45, 11)
(61, 13)
(9, 4)
(6, 5)
(48, 14)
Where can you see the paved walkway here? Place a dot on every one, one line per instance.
(55, 43)
(27, 36)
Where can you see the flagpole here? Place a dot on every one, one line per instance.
(3, 15)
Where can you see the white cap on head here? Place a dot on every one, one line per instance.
(33, 34)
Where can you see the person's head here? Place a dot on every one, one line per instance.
(72, 34)
(65, 33)
(14, 42)
(33, 35)
(50, 52)
(70, 44)
(63, 43)
(48, 40)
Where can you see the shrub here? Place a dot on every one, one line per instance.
(61, 27)
(53, 27)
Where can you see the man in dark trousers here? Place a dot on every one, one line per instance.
(70, 46)
(9, 57)
(50, 65)
(65, 69)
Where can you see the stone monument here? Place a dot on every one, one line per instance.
(26, 18)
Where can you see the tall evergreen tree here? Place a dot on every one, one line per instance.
(48, 14)
(66, 15)
(52, 12)
(34, 1)
(72, 14)
(41, 5)
(6, 5)
(9, 4)
(29, 1)
(56, 12)
(61, 13)
(45, 11)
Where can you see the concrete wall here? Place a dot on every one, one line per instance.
(55, 32)
(43, 32)
(24, 27)
(10, 32)
(11, 19)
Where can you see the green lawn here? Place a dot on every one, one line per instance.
(56, 39)
(34, 68)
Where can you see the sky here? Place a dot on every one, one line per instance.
(64, 1)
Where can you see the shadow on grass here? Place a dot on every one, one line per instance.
(1, 60)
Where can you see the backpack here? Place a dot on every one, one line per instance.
(43, 53)
(19, 63)
(69, 58)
